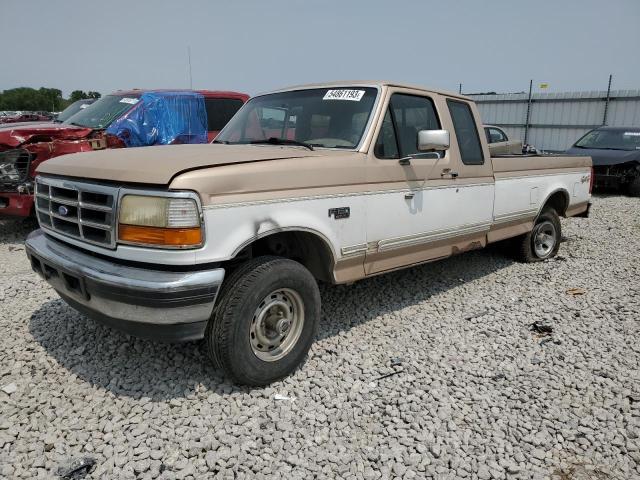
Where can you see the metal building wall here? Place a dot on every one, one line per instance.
(557, 120)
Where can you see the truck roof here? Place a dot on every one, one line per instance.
(368, 83)
(206, 93)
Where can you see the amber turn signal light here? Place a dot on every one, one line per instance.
(169, 237)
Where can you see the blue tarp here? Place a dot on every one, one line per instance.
(163, 118)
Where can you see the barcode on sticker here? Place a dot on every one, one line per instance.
(352, 95)
(132, 101)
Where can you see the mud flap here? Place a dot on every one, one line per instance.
(586, 213)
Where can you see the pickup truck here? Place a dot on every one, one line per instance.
(329, 182)
(122, 119)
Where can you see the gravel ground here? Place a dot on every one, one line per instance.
(474, 392)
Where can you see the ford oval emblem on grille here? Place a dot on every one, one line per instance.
(62, 210)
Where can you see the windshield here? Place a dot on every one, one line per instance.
(320, 117)
(611, 139)
(103, 111)
(72, 109)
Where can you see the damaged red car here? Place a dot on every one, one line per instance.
(123, 119)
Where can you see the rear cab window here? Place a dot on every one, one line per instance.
(406, 115)
(466, 132)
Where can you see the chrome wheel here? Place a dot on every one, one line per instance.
(544, 239)
(276, 324)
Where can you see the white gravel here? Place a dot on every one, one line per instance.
(478, 395)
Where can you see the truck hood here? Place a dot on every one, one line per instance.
(158, 165)
(14, 135)
(602, 157)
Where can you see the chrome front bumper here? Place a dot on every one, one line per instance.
(150, 303)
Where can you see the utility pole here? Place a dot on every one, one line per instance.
(190, 77)
(606, 102)
(460, 89)
(526, 125)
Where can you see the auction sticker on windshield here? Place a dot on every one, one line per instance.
(352, 95)
(132, 101)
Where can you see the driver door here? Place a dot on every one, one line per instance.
(429, 207)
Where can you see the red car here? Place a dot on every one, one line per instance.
(26, 117)
(122, 119)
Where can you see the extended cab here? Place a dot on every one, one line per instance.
(329, 182)
(122, 119)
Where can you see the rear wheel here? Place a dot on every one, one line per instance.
(543, 241)
(265, 320)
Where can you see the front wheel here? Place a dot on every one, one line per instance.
(265, 320)
(543, 241)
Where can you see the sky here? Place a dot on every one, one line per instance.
(255, 46)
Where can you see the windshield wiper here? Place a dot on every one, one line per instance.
(282, 141)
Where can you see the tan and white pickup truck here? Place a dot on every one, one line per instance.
(329, 182)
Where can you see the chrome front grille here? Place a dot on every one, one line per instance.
(80, 210)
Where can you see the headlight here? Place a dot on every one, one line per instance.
(159, 221)
(8, 170)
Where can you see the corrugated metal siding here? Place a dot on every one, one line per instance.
(557, 120)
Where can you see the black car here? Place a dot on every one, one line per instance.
(616, 157)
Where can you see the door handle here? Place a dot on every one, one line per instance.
(409, 196)
(447, 171)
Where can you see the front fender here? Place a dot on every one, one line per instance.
(231, 227)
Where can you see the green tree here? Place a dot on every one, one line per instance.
(25, 98)
(80, 95)
(45, 99)
(51, 98)
(77, 95)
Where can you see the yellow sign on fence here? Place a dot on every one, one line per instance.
(544, 85)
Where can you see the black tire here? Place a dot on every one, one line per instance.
(547, 223)
(231, 331)
(633, 189)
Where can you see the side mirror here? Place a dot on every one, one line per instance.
(433, 140)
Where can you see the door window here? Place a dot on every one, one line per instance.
(387, 145)
(405, 117)
(466, 133)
